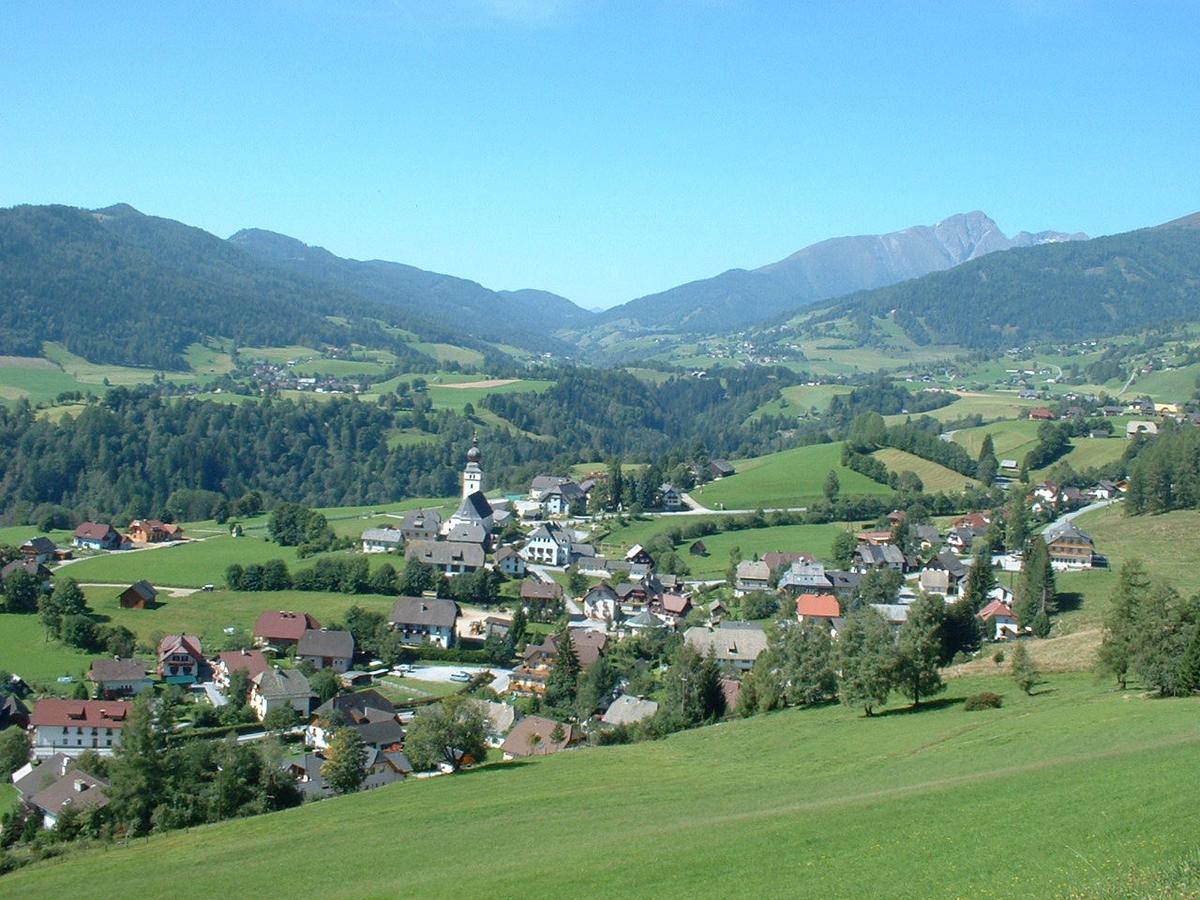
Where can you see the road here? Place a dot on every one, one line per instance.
(441, 674)
(172, 591)
(1068, 516)
(699, 509)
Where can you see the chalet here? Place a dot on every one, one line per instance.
(878, 556)
(73, 726)
(276, 688)
(359, 710)
(1104, 490)
(152, 531)
(1069, 546)
(509, 561)
(180, 658)
(420, 620)
(76, 790)
(559, 499)
(977, 520)
(670, 497)
(602, 604)
(96, 536)
(29, 567)
(639, 555)
(115, 678)
(283, 628)
(751, 576)
(530, 677)
(629, 710)
(140, 595)
(942, 575)
(324, 649)
(38, 550)
(721, 468)
(421, 525)
(548, 545)
(541, 591)
(735, 645)
(448, 557)
(1137, 429)
(961, 539)
(1000, 616)
(672, 605)
(252, 662)
(532, 736)
(382, 540)
(817, 607)
(777, 560)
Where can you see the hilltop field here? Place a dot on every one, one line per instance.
(821, 800)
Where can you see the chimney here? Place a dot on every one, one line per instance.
(80, 786)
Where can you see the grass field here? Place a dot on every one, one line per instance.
(192, 564)
(800, 399)
(1168, 385)
(450, 353)
(1087, 452)
(25, 650)
(932, 475)
(1011, 439)
(784, 479)
(814, 539)
(455, 398)
(1098, 786)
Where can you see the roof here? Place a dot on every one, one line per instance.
(777, 559)
(505, 552)
(537, 590)
(380, 732)
(433, 612)
(143, 589)
(627, 709)
(180, 643)
(753, 570)
(893, 613)
(356, 703)
(589, 646)
(818, 606)
(729, 641)
(117, 670)
(422, 520)
(43, 775)
(249, 661)
(75, 789)
(30, 566)
(446, 553)
(474, 507)
(283, 625)
(40, 544)
(94, 531)
(676, 603)
(646, 619)
(322, 642)
(277, 682)
(1065, 530)
(543, 483)
(467, 533)
(552, 532)
(383, 535)
(500, 716)
(997, 608)
(518, 742)
(84, 713)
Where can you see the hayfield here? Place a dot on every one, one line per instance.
(814, 539)
(935, 477)
(799, 399)
(788, 478)
(25, 651)
(1099, 787)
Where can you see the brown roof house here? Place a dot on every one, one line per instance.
(252, 662)
(140, 595)
(180, 658)
(96, 536)
(533, 736)
(324, 649)
(152, 531)
(75, 790)
(283, 628)
(118, 677)
(425, 620)
(72, 726)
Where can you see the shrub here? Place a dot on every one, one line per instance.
(998, 657)
(984, 700)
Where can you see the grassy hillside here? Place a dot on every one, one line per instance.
(25, 651)
(935, 477)
(1097, 786)
(788, 478)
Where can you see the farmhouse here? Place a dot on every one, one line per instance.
(639, 555)
(751, 576)
(282, 628)
(671, 497)
(118, 677)
(180, 658)
(421, 525)
(448, 557)
(152, 531)
(96, 536)
(509, 562)
(541, 591)
(532, 737)
(721, 468)
(421, 620)
(324, 649)
(1069, 546)
(76, 790)
(736, 645)
(275, 688)
(29, 567)
(382, 540)
(382, 767)
(359, 709)
(140, 595)
(38, 550)
(72, 726)
(252, 662)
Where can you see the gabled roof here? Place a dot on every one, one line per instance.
(553, 532)
(501, 716)
(729, 641)
(474, 507)
(431, 612)
(467, 533)
(117, 670)
(283, 625)
(446, 553)
(252, 662)
(76, 789)
(356, 703)
(627, 709)
(281, 683)
(383, 535)
(94, 531)
(40, 545)
(83, 713)
(321, 642)
(1066, 530)
(676, 604)
(818, 606)
(753, 570)
(422, 520)
(537, 590)
(143, 589)
(777, 559)
(997, 608)
(180, 643)
(518, 742)
(41, 776)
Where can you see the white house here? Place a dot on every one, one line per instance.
(73, 726)
(382, 540)
(425, 620)
(324, 649)
(549, 545)
(752, 575)
(276, 688)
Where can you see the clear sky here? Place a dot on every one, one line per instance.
(602, 150)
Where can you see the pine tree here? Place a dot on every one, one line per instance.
(563, 682)
(980, 580)
(865, 658)
(832, 485)
(919, 649)
(138, 768)
(1023, 671)
(1121, 621)
(1018, 524)
(1036, 587)
(345, 766)
(985, 468)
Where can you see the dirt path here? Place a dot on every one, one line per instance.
(170, 591)
(489, 383)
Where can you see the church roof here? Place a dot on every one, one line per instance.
(474, 508)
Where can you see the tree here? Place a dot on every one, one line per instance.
(448, 732)
(20, 592)
(879, 585)
(1022, 668)
(616, 484)
(1017, 531)
(345, 766)
(595, 683)
(238, 692)
(980, 580)
(844, 545)
(865, 658)
(79, 631)
(139, 767)
(919, 649)
(804, 655)
(962, 632)
(577, 583)
(1036, 587)
(325, 684)
(517, 631)
(987, 464)
(562, 683)
(832, 485)
(692, 688)
(1162, 653)
(1121, 620)
(558, 734)
(14, 750)
(417, 578)
(66, 600)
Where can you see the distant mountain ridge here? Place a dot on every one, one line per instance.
(825, 270)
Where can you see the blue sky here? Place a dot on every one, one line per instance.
(602, 150)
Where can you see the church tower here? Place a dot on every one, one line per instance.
(473, 473)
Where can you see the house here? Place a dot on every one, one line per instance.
(810, 578)
(382, 767)
(283, 628)
(421, 620)
(1042, 414)
(878, 556)
(1009, 466)
(76, 790)
(140, 595)
(118, 677)
(382, 540)
(629, 710)
(977, 520)
(927, 536)
(673, 605)
(72, 726)
(496, 626)
(942, 575)
(252, 662)
(644, 621)
(1137, 428)
(180, 658)
(38, 774)
(96, 536)
(421, 525)
(29, 567)
(509, 561)
(541, 591)
(961, 539)
(670, 497)
(639, 555)
(544, 484)
(325, 649)
(735, 645)
(814, 607)
(500, 719)
(152, 531)
(549, 545)
(532, 737)
(895, 614)
(1070, 547)
(13, 712)
(1004, 621)
(39, 550)
(530, 677)
(777, 559)
(559, 499)
(875, 538)
(601, 603)
(467, 533)
(751, 575)
(276, 688)
(358, 709)
(721, 468)
(1104, 490)
(448, 557)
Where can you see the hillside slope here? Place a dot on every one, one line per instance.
(831, 268)
(1097, 784)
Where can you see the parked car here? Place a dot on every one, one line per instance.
(461, 676)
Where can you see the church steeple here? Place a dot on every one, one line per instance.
(473, 472)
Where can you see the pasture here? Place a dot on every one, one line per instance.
(1099, 786)
(935, 477)
(25, 651)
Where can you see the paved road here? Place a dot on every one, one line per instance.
(699, 509)
(440, 673)
(172, 591)
(1099, 504)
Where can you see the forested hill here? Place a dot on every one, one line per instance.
(116, 286)
(522, 318)
(1058, 291)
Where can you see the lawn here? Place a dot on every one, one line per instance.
(1099, 787)
(450, 353)
(1168, 385)
(990, 406)
(935, 477)
(25, 651)
(788, 478)
(1086, 453)
(406, 690)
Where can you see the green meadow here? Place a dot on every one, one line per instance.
(1073, 792)
(935, 477)
(25, 651)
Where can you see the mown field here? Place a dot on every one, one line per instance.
(935, 477)
(814, 539)
(788, 478)
(1096, 788)
(800, 399)
(25, 651)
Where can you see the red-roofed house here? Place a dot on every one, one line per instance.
(1001, 616)
(97, 536)
(252, 662)
(980, 520)
(811, 607)
(676, 606)
(283, 628)
(777, 559)
(73, 726)
(152, 531)
(180, 658)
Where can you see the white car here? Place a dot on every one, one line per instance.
(461, 676)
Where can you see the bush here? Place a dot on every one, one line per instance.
(984, 700)
(998, 657)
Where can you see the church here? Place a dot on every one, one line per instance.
(475, 511)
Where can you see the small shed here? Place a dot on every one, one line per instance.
(141, 595)
(698, 549)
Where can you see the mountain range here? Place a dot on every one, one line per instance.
(832, 268)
